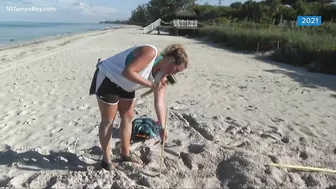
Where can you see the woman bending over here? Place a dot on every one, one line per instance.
(118, 77)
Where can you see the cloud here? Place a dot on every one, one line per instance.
(66, 10)
(91, 9)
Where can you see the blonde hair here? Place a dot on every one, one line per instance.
(178, 52)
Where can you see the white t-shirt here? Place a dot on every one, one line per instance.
(113, 67)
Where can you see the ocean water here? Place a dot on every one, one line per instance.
(16, 32)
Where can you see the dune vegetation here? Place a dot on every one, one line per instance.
(258, 26)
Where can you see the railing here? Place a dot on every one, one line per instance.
(152, 26)
(185, 23)
(176, 23)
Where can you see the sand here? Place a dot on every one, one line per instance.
(231, 114)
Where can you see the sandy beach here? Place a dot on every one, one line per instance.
(231, 114)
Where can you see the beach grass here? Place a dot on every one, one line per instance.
(309, 46)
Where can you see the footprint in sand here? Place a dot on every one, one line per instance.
(74, 122)
(84, 107)
(201, 128)
(196, 148)
(25, 105)
(303, 140)
(15, 181)
(173, 150)
(5, 181)
(23, 112)
(311, 181)
(178, 142)
(303, 155)
(277, 120)
(275, 134)
(187, 159)
(332, 187)
(34, 102)
(242, 87)
(251, 108)
(274, 159)
(95, 150)
(285, 140)
(29, 121)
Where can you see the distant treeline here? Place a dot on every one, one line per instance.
(267, 25)
(266, 11)
(114, 22)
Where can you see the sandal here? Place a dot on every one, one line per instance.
(131, 158)
(107, 166)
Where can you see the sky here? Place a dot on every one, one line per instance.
(87, 11)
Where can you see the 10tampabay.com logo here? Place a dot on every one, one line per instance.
(309, 20)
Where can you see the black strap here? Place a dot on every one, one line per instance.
(99, 62)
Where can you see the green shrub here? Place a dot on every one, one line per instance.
(218, 21)
(297, 46)
(242, 38)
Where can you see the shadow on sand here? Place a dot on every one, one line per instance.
(115, 133)
(301, 75)
(34, 160)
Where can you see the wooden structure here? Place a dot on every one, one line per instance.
(175, 24)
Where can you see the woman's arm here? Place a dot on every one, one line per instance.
(142, 57)
(160, 105)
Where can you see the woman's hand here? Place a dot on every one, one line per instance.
(164, 81)
(158, 86)
(155, 86)
(164, 135)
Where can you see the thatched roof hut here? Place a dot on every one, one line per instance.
(185, 14)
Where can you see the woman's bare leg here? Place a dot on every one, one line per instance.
(126, 111)
(108, 113)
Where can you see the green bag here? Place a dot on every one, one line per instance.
(145, 128)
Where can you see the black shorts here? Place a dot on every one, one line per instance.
(108, 91)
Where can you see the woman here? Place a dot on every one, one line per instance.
(118, 77)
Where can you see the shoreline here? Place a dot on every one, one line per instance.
(51, 38)
(19, 55)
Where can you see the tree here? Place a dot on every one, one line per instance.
(161, 9)
(140, 15)
(291, 2)
(320, 1)
(236, 5)
(262, 11)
